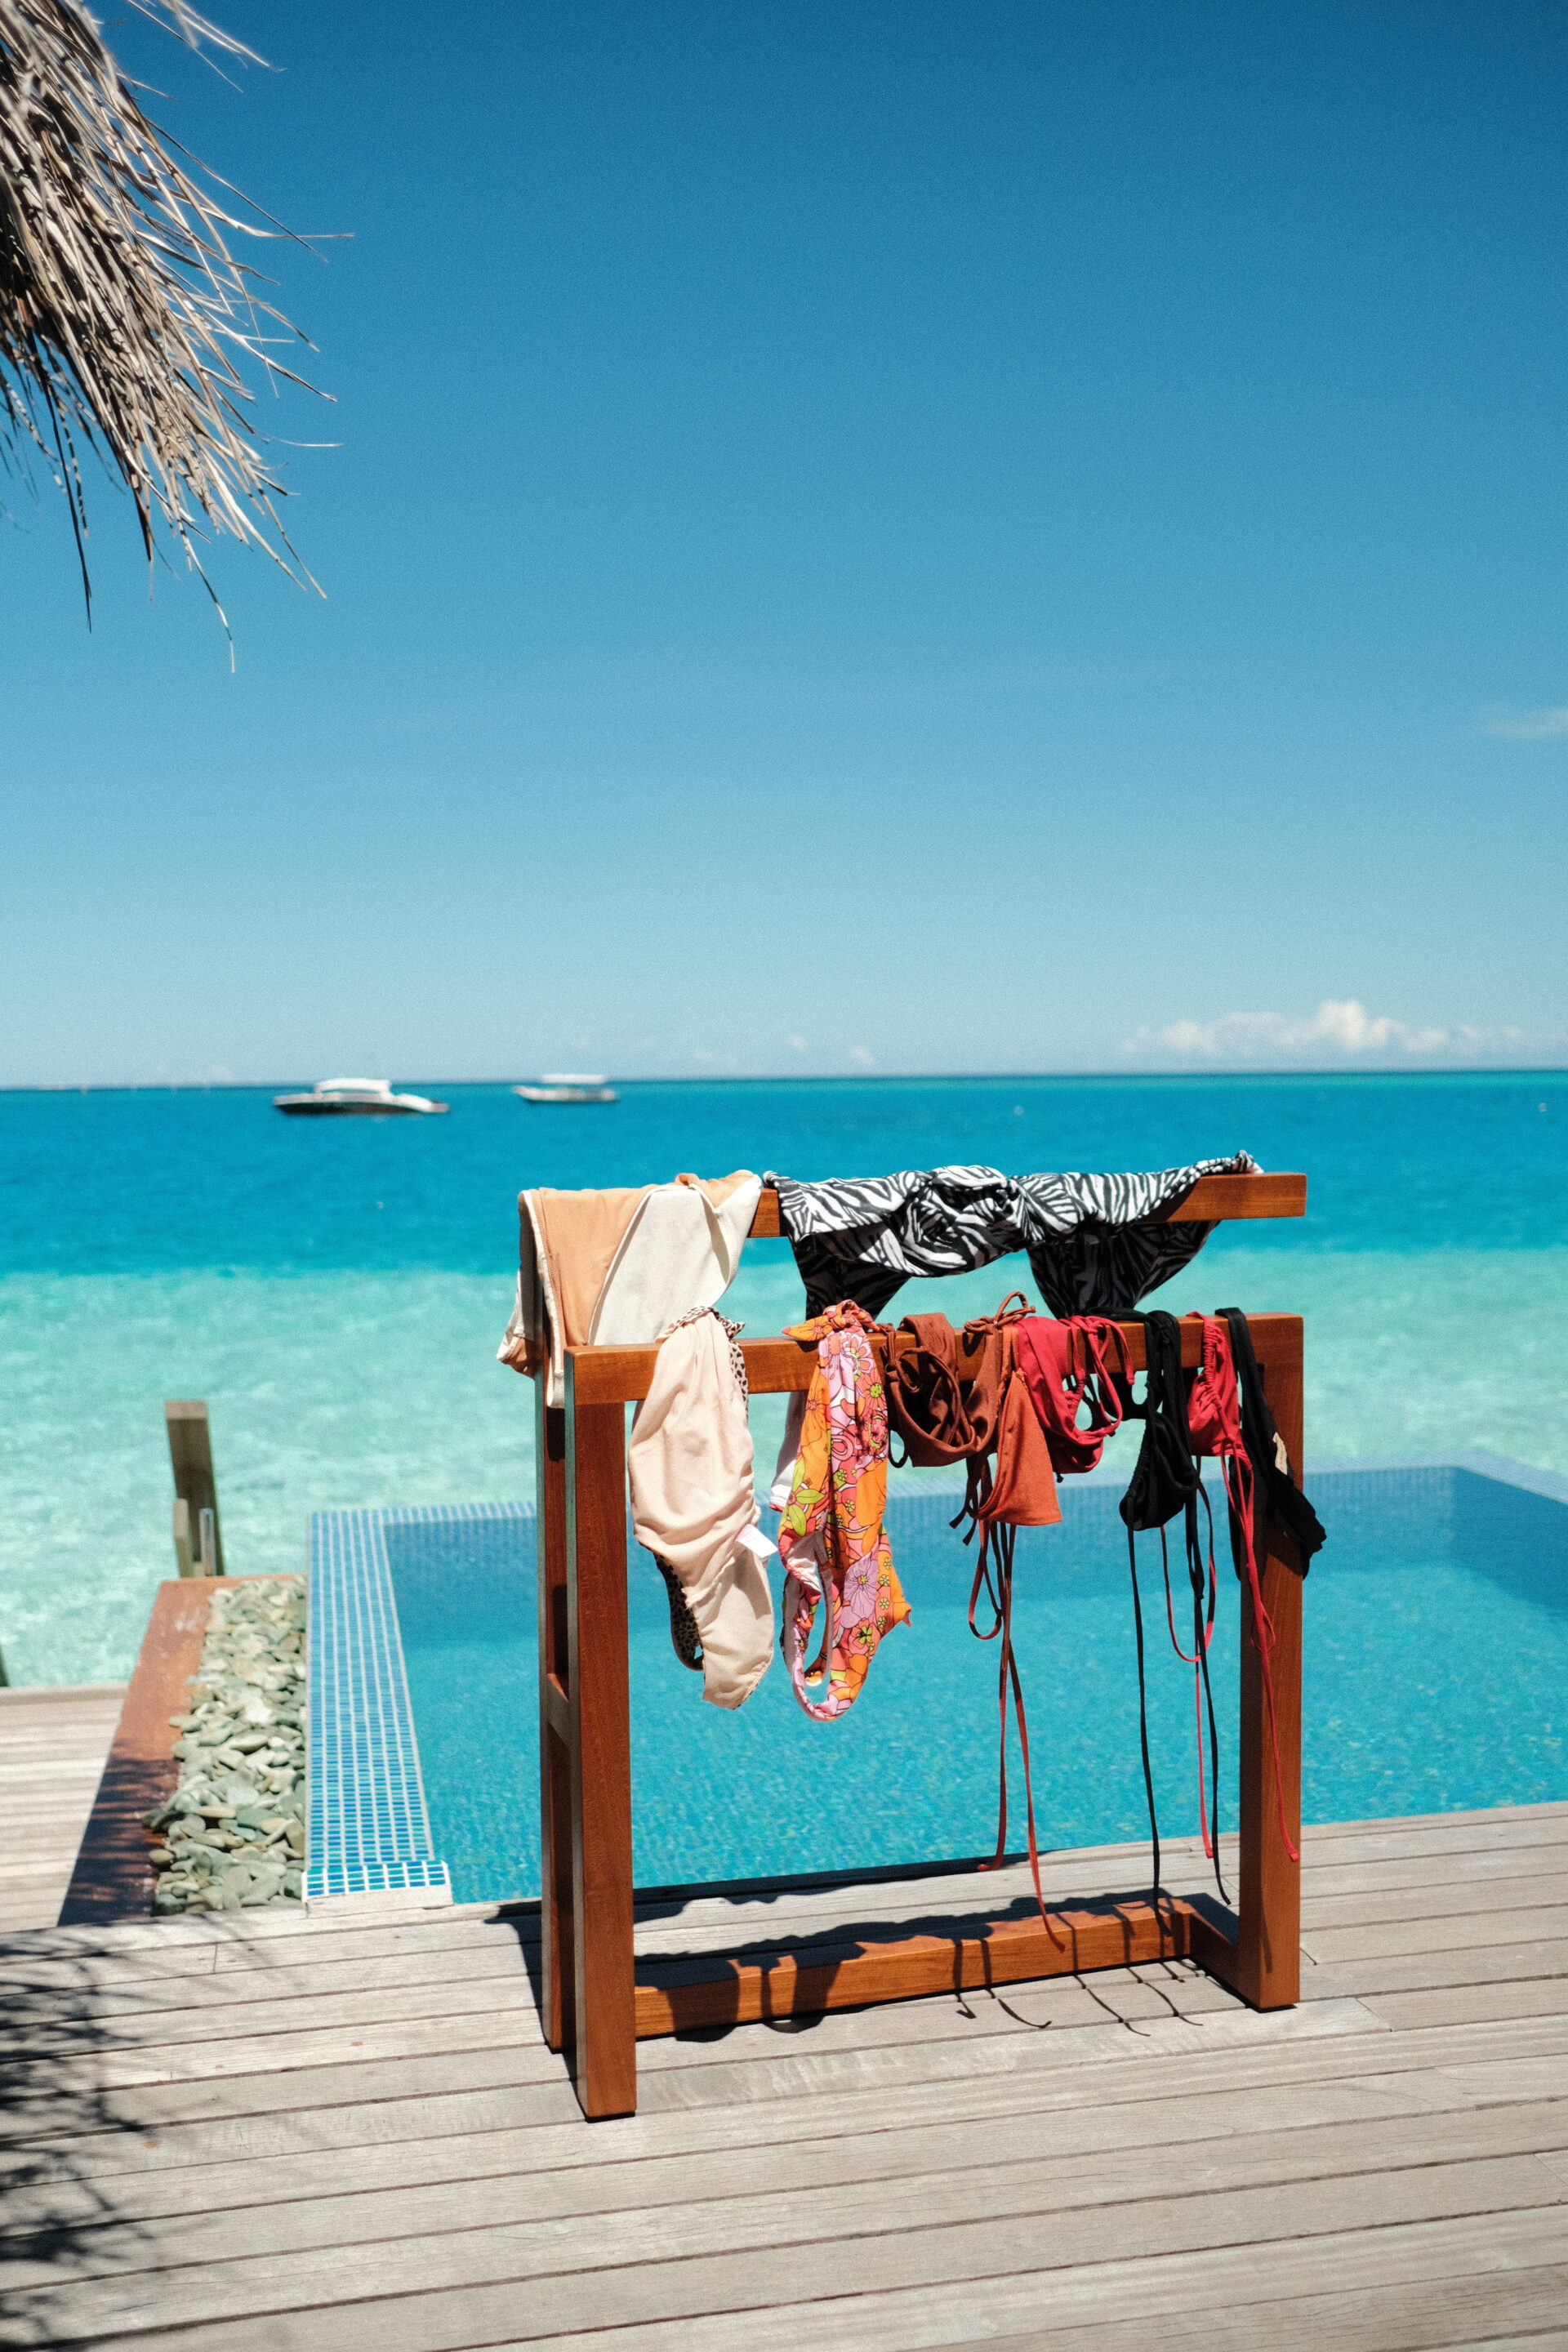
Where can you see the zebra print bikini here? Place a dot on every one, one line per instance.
(1093, 1243)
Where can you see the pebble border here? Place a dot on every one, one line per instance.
(233, 1829)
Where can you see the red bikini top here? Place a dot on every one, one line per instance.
(1066, 1368)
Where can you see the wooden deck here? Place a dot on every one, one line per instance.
(272, 2134)
(53, 1744)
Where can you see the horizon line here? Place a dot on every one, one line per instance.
(824, 1077)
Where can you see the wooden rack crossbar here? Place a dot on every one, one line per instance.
(597, 2000)
(1213, 1200)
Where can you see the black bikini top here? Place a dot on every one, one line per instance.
(1165, 1476)
(1286, 1502)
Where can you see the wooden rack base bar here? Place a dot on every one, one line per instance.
(598, 2000)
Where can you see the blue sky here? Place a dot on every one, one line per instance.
(1010, 537)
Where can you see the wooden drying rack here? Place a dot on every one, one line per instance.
(598, 2001)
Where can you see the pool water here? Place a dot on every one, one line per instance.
(1436, 1679)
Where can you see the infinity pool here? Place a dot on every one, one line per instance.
(1435, 1679)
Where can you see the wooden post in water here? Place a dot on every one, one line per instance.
(191, 1452)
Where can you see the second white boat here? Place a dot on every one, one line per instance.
(568, 1087)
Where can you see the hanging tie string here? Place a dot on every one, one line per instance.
(993, 1575)
(1165, 1480)
(987, 1494)
(1205, 1584)
(1214, 1415)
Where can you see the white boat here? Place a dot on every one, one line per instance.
(353, 1099)
(568, 1087)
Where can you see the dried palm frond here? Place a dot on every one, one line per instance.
(123, 315)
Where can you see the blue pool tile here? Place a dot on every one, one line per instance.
(367, 1827)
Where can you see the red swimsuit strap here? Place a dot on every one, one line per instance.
(1214, 1415)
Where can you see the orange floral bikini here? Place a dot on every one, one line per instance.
(831, 1538)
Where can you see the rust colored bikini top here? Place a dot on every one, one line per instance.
(962, 1396)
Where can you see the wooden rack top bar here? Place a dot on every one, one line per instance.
(623, 1375)
(1213, 1200)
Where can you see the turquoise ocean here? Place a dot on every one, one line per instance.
(336, 1289)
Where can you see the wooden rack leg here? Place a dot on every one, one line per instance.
(1268, 1960)
(598, 1726)
(556, 1998)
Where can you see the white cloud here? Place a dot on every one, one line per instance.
(1525, 726)
(862, 1058)
(796, 1044)
(1340, 1031)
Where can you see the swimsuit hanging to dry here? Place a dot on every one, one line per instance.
(1070, 1366)
(831, 1538)
(694, 1504)
(1097, 1243)
(614, 1268)
(1214, 1419)
(1287, 1505)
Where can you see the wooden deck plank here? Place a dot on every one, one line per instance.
(1463, 1927)
(1425, 1857)
(892, 2137)
(210, 1976)
(1470, 1964)
(136, 2139)
(1023, 2056)
(1419, 1839)
(789, 2193)
(1217, 2282)
(1210, 2286)
(915, 2245)
(1148, 2009)
(878, 2041)
(1509, 2061)
(1417, 1836)
(1552, 2341)
(119, 1990)
(96, 2060)
(1444, 2005)
(53, 1747)
(208, 2010)
(1431, 1899)
(1437, 2316)
(1543, 2075)
(494, 2012)
(428, 1952)
(87, 2065)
